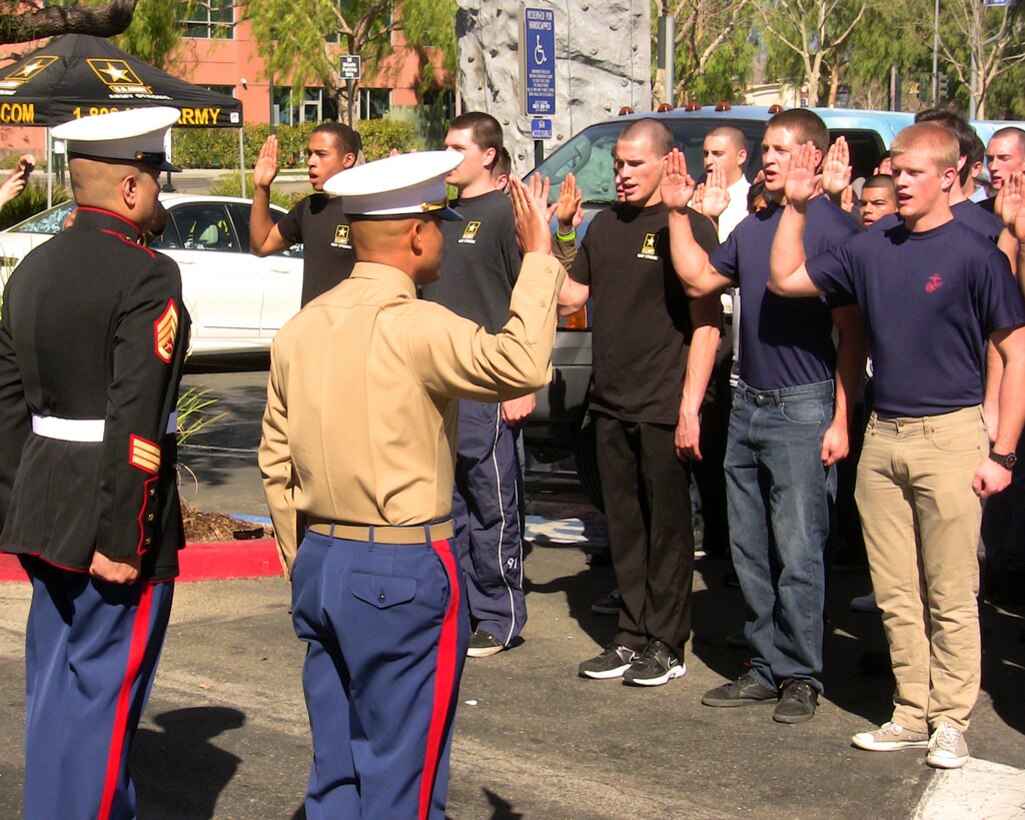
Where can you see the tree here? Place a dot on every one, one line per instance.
(981, 43)
(815, 31)
(294, 38)
(156, 30)
(708, 40)
(24, 20)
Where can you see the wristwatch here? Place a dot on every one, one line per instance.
(1007, 462)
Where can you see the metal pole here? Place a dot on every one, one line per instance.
(936, 57)
(242, 160)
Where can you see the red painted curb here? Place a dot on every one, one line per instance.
(217, 560)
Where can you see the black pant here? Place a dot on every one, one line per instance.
(647, 503)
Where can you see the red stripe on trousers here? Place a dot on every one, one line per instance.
(444, 679)
(136, 653)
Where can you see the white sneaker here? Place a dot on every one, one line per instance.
(865, 603)
(890, 737)
(947, 748)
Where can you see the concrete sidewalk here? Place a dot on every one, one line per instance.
(226, 734)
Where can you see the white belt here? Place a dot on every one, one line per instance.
(80, 429)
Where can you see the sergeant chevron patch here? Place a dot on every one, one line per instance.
(165, 330)
(144, 454)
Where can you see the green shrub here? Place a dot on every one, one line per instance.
(29, 202)
(381, 136)
(228, 185)
(218, 147)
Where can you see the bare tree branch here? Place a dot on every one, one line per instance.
(35, 22)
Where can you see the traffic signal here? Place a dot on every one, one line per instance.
(943, 86)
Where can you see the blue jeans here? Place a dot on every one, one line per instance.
(780, 499)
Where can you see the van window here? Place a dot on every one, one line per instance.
(866, 149)
(589, 155)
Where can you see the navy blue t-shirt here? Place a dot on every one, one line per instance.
(929, 302)
(783, 342)
(967, 212)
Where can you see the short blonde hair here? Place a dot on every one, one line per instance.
(938, 142)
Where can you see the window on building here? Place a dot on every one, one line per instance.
(374, 103)
(226, 90)
(211, 20)
(315, 106)
(443, 98)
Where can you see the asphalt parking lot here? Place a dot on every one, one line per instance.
(226, 736)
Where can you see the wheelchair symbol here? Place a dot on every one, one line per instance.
(540, 57)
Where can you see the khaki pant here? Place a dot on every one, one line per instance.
(921, 522)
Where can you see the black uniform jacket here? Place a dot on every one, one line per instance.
(93, 327)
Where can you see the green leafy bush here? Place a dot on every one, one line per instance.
(227, 184)
(218, 147)
(29, 202)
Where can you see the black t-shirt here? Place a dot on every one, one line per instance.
(641, 327)
(784, 342)
(319, 222)
(480, 261)
(929, 300)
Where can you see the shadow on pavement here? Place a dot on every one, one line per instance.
(178, 772)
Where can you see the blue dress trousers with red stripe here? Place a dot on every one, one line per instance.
(386, 630)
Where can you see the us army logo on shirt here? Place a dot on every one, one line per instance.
(341, 237)
(470, 232)
(648, 248)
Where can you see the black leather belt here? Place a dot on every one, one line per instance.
(415, 534)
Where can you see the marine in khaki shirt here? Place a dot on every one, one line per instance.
(360, 425)
(358, 450)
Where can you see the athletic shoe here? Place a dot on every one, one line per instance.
(483, 645)
(890, 737)
(865, 603)
(744, 691)
(797, 702)
(609, 605)
(654, 666)
(947, 748)
(611, 663)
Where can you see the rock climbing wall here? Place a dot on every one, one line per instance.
(603, 62)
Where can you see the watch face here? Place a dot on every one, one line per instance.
(1011, 460)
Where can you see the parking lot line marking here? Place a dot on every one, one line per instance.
(980, 789)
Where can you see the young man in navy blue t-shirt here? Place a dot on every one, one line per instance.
(932, 291)
(788, 427)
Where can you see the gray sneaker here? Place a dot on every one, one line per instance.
(947, 748)
(611, 663)
(744, 691)
(890, 737)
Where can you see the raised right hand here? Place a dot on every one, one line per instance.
(677, 185)
(266, 167)
(532, 233)
(802, 181)
(568, 210)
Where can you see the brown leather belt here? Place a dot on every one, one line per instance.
(415, 534)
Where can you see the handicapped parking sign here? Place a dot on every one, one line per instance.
(537, 47)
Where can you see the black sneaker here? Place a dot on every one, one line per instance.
(744, 691)
(654, 666)
(609, 605)
(796, 703)
(614, 660)
(483, 645)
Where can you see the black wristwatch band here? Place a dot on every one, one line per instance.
(1007, 462)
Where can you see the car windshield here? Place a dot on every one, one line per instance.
(589, 154)
(50, 221)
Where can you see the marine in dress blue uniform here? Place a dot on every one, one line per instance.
(92, 340)
(357, 456)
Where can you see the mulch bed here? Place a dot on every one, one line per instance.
(202, 527)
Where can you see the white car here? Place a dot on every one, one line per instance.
(237, 301)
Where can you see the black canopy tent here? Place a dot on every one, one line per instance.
(78, 75)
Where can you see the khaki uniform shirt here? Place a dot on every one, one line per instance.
(360, 425)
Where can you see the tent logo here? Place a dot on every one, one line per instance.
(118, 76)
(23, 74)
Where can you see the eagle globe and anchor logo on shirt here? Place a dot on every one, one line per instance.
(934, 283)
(648, 248)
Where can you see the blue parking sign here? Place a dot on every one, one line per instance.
(537, 45)
(541, 129)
